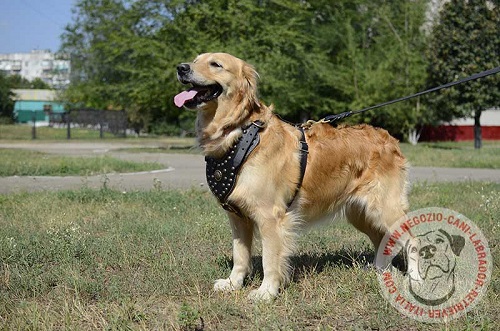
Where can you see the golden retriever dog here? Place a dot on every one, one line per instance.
(356, 172)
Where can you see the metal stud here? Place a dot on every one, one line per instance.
(218, 175)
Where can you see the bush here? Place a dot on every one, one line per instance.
(6, 120)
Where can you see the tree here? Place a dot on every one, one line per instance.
(275, 36)
(118, 61)
(465, 40)
(6, 101)
(124, 54)
(377, 49)
(19, 82)
(314, 58)
(89, 41)
(38, 83)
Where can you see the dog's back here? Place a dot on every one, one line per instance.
(358, 170)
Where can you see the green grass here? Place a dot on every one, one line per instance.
(453, 154)
(87, 259)
(16, 162)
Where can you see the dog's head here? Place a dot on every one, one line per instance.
(224, 91)
(431, 265)
(217, 78)
(434, 253)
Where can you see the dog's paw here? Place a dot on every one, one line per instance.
(261, 295)
(225, 285)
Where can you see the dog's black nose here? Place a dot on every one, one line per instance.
(183, 68)
(427, 252)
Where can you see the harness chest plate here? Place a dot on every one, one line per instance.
(222, 172)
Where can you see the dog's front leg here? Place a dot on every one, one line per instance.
(278, 238)
(242, 254)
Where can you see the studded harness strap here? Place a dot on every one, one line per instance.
(222, 172)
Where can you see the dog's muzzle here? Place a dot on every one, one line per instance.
(183, 71)
(427, 252)
(199, 93)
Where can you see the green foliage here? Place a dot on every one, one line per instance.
(38, 83)
(275, 36)
(466, 40)
(377, 50)
(188, 318)
(315, 58)
(118, 62)
(6, 102)
(19, 82)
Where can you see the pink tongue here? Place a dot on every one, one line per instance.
(181, 98)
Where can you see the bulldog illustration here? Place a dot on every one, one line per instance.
(431, 265)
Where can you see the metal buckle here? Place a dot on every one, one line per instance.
(231, 209)
(304, 147)
(259, 124)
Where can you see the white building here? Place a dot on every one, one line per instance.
(54, 69)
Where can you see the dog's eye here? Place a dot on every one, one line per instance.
(215, 64)
(439, 241)
(413, 249)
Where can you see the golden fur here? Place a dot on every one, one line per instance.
(358, 172)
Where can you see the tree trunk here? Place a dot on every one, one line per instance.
(414, 136)
(478, 142)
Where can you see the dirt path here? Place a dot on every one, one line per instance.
(181, 171)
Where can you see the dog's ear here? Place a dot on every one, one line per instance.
(249, 88)
(242, 103)
(407, 245)
(457, 242)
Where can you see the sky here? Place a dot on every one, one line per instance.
(26, 25)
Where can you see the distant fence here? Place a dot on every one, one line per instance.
(111, 121)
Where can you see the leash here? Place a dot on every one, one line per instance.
(331, 119)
